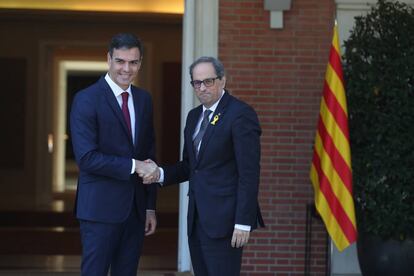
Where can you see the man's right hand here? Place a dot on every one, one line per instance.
(148, 170)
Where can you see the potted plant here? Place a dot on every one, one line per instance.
(379, 77)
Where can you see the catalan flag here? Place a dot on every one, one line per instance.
(331, 173)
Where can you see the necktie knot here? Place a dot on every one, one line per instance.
(206, 114)
(124, 97)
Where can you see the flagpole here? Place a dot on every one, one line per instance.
(329, 248)
(308, 238)
(328, 240)
(328, 255)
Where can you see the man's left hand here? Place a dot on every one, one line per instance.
(150, 222)
(240, 238)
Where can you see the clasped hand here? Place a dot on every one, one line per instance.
(148, 170)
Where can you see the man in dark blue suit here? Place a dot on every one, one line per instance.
(112, 128)
(221, 160)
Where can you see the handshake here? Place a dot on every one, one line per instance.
(148, 170)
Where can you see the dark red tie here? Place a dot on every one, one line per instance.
(125, 110)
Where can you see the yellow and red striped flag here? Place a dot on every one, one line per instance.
(331, 173)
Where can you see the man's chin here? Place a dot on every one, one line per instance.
(205, 100)
(207, 104)
(124, 83)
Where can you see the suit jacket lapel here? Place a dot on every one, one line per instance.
(113, 103)
(218, 113)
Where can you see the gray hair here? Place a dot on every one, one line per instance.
(218, 66)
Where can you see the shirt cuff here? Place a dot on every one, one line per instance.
(133, 166)
(161, 179)
(243, 227)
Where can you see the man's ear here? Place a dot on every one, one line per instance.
(108, 57)
(140, 62)
(223, 82)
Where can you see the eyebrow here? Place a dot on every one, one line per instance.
(120, 59)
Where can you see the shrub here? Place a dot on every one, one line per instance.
(379, 77)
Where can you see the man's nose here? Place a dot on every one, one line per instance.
(202, 86)
(126, 66)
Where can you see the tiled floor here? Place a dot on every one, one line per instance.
(51, 273)
(37, 265)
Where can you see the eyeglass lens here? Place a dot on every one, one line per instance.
(207, 82)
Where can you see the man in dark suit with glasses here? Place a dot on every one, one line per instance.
(221, 161)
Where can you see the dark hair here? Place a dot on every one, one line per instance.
(218, 66)
(125, 40)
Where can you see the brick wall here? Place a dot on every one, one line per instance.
(280, 72)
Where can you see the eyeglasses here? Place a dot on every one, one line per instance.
(207, 82)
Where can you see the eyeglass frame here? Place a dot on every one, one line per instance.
(196, 84)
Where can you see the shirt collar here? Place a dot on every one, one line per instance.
(115, 88)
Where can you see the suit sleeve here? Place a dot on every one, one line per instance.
(84, 134)
(180, 171)
(177, 173)
(246, 131)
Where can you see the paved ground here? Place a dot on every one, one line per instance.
(45, 273)
(37, 265)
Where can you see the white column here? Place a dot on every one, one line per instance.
(200, 38)
(184, 262)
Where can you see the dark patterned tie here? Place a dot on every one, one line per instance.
(200, 133)
(125, 110)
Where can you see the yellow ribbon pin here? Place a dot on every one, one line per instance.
(215, 119)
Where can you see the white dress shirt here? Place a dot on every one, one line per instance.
(117, 93)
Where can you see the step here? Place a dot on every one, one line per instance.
(52, 232)
(23, 218)
(67, 241)
(37, 265)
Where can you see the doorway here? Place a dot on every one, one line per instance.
(72, 77)
(49, 51)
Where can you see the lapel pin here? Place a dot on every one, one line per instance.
(215, 119)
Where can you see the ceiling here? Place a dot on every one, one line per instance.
(145, 6)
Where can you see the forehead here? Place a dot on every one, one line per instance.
(204, 69)
(127, 54)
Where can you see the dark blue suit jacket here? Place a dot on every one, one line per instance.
(104, 149)
(224, 179)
